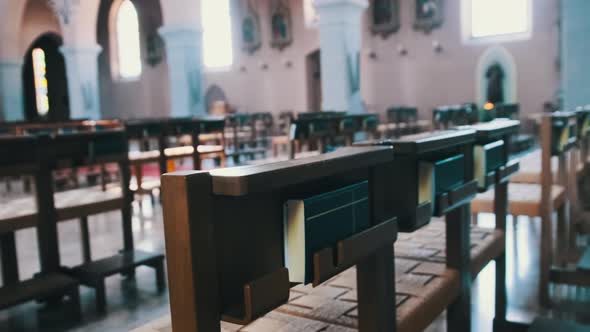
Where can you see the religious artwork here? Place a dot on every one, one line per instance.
(281, 27)
(385, 17)
(429, 15)
(155, 49)
(251, 29)
(495, 84)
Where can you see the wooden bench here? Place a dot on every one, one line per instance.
(23, 156)
(248, 135)
(197, 130)
(403, 121)
(83, 149)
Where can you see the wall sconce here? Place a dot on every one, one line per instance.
(401, 50)
(243, 69)
(437, 46)
(263, 66)
(288, 63)
(372, 54)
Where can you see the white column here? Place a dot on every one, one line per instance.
(83, 85)
(185, 66)
(575, 49)
(340, 45)
(11, 91)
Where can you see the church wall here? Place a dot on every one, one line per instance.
(422, 78)
(251, 88)
(427, 79)
(146, 97)
(38, 19)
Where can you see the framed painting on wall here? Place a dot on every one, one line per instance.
(385, 17)
(281, 24)
(429, 15)
(250, 29)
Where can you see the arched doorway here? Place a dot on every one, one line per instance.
(496, 77)
(45, 85)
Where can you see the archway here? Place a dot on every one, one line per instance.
(45, 85)
(496, 76)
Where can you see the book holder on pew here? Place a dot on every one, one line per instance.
(220, 266)
(260, 296)
(442, 147)
(352, 250)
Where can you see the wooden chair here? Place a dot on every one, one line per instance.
(83, 149)
(242, 137)
(26, 155)
(542, 199)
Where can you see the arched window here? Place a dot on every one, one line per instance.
(497, 19)
(39, 74)
(128, 45)
(217, 34)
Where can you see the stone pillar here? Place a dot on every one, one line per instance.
(11, 91)
(340, 45)
(185, 67)
(575, 50)
(83, 84)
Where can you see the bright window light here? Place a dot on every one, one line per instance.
(499, 17)
(310, 14)
(39, 73)
(128, 44)
(217, 34)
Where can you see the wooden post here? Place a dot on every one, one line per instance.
(191, 255)
(546, 243)
(9, 259)
(459, 258)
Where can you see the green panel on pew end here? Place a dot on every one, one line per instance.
(486, 160)
(552, 325)
(564, 132)
(584, 263)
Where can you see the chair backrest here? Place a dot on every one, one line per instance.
(223, 266)
(507, 111)
(90, 148)
(402, 114)
(18, 155)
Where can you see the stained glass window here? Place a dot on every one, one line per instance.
(40, 75)
(217, 34)
(499, 17)
(310, 14)
(128, 44)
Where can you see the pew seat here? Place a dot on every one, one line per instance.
(39, 288)
(423, 292)
(21, 213)
(524, 200)
(428, 245)
(530, 168)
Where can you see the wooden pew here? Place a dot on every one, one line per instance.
(225, 268)
(26, 155)
(452, 202)
(84, 149)
(248, 135)
(403, 121)
(199, 130)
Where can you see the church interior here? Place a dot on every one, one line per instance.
(294, 165)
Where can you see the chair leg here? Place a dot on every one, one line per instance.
(74, 295)
(8, 259)
(546, 244)
(160, 275)
(562, 224)
(101, 303)
(85, 239)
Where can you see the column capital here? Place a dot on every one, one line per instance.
(322, 4)
(68, 50)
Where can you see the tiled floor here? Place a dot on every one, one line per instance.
(135, 303)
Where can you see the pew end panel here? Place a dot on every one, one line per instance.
(410, 153)
(225, 239)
